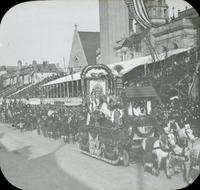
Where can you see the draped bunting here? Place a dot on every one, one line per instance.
(138, 10)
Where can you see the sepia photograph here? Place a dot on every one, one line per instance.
(100, 95)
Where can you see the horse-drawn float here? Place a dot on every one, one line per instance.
(108, 134)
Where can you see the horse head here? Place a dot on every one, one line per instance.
(169, 142)
(171, 139)
(185, 136)
(174, 145)
(189, 134)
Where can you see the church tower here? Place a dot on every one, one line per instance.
(157, 11)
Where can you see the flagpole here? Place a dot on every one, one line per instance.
(72, 81)
(65, 68)
(64, 64)
(71, 73)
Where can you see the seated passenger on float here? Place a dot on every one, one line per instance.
(117, 115)
(104, 107)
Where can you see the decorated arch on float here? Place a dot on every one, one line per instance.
(97, 81)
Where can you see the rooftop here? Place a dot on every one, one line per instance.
(45, 68)
(90, 42)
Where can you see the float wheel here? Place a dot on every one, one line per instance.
(126, 158)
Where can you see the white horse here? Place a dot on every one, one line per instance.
(159, 149)
(191, 145)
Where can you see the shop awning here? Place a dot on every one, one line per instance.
(141, 91)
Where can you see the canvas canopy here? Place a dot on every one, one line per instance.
(127, 66)
(73, 77)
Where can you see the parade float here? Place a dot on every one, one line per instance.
(110, 134)
(100, 137)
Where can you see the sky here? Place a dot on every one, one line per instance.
(43, 30)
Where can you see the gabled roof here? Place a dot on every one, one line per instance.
(90, 42)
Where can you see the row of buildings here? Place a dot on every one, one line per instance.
(18, 77)
(23, 75)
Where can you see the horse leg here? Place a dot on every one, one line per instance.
(39, 130)
(157, 162)
(73, 138)
(167, 167)
(63, 138)
(186, 173)
(159, 159)
(21, 128)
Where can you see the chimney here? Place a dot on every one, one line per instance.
(45, 62)
(19, 65)
(34, 63)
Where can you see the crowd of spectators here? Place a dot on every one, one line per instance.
(182, 111)
(46, 119)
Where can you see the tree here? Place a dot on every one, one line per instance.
(118, 68)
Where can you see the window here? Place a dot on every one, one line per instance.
(160, 12)
(165, 13)
(175, 46)
(76, 59)
(138, 47)
(154, 12)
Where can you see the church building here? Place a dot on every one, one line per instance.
(83, 50)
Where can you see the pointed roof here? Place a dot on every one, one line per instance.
(90, 42)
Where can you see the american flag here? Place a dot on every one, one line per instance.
(138, 10)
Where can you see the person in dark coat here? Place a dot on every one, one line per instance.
(65, 129)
